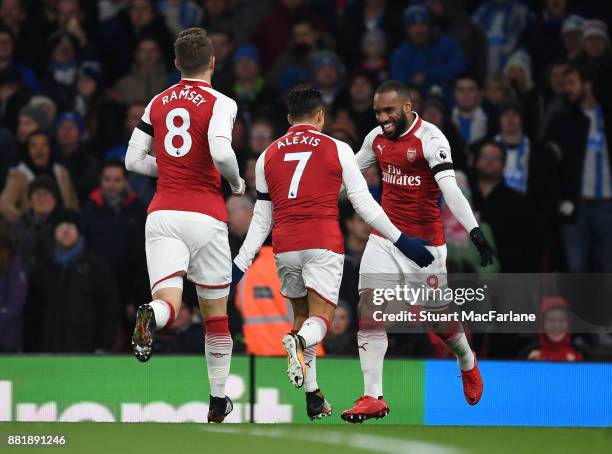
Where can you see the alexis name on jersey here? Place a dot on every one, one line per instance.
(393, 175)
(298, 139)
(186, 94)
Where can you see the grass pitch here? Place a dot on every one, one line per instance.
(314, 438)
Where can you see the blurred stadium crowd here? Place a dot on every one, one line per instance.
(520, 88)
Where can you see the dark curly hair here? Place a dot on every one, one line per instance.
(303, 102)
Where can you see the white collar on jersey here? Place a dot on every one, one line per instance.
(195, 80)
(416, 118)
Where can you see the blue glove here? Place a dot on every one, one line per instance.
(237, 274)
(414, 249)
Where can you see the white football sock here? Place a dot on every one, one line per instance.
(163, 312)
(372, 346)
(313, 331)
(459, 345)
(310, 358)
(218, 346)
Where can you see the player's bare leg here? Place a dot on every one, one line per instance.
(372, 346)
(312, 332)
(218, 347)
(453, 336)
(316, 404)
(153, 316)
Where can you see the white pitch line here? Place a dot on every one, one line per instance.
(374, 443)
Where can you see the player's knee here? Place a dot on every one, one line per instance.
(213, 307)
(171, 295)
(365, 310)
(445, 329)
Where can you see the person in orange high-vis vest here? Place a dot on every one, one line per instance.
(267, 315)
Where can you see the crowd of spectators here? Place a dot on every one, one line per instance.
(522, 90)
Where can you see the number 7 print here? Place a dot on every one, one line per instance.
(302, 159)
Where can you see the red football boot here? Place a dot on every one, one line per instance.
(367, 408)
(472, 383)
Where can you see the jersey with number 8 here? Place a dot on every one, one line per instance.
(182, 117)
(303, 174)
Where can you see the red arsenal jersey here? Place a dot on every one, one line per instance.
(303, 173)
(410, 167)
(181, 119)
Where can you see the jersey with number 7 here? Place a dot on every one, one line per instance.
(302, 173)
(183, 118)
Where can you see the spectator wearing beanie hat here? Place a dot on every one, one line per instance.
(83, 168)
(73, 302)
(518, 72)
(36, 161)
(328, 75)
(33, 232)
(595, 38)
(31, 118)
(555, 340)
(250, 89)
(571, 35)
(99, 108)
(597, 54)
(46, 104)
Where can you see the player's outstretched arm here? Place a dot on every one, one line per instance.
(373, 214)
(436, 150)
(137, 158)
(220, 142)
(260, 227)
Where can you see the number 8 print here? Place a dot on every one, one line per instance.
(180, 131)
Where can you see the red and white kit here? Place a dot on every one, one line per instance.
(298, 179)
(415, 170)
(190, 125)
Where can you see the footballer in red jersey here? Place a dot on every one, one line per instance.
(416, 164)
(189, 125)
(298, 179)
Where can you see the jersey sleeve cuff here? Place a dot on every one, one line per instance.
(444, 173)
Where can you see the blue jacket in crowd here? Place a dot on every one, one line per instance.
(441, 62)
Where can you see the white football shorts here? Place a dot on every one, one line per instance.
(181, 243)
(319, 270)
(384, 266)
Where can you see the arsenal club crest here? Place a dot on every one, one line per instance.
(411, 154)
